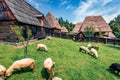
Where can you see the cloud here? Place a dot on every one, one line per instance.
(63, 2)
(37, 5)
(106, 2)
(96, 7)
(70, 7)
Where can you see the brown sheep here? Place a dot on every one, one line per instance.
(21, 64)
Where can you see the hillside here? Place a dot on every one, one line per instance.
(70, 63)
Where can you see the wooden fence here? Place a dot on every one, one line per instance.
(94, 39)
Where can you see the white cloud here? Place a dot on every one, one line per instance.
(63, 2)
(96, 7)
(70, 7)
(106, 2)
(108, 17)
(37, 5)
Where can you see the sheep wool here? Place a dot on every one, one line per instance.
(49, 65)
(56, 78)
(49, 37)
(2, 71)
(42, 46)
(84, 49)
(94, 52)
(21, 64)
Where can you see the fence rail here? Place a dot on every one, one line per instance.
(94, 39)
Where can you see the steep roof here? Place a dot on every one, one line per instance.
(97, 22)
(77, 27)
(24, 12)
(64, 30)
(52, 21)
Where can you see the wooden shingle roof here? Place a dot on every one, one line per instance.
(97, 22)
(77, 28)
(52, 21)
(24, 12)
(64, 30)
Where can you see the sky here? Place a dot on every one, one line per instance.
(76, 10)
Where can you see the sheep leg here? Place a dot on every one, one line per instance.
(32, 66)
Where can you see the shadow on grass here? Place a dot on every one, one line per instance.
(42, 50)
(113, 73)
(45, 74)
(26, 70)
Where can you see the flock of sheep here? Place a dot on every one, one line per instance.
(30, 63)
(90, 49)
(115, 67)
(48, 63)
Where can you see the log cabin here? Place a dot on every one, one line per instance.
(20, 13)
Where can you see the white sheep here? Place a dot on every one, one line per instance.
(94, 52)
(21, 64)
(56, 78)
(42, 46)
(83, 48)
(2, 71)
(49, 66)
(89, 46)
(49, 37)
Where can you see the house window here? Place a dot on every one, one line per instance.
(1, 7)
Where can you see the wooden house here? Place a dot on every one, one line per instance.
(99, 25)
(56, 28)
(20, 13)
(64, 32)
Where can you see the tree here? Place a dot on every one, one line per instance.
(23, 34)
(69, 26)
(89, 32)
(115, 26)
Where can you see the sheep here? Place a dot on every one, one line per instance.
(56, 78)
(42, 46)
(2, 72)
(82, 48)
(48, 37)
(115, 67)
(21, 64)
(49, 66)
(89, 46)
(94, 52)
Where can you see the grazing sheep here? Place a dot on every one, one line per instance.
(82, 48)
(95, 47)
(115, 67)
(2, 72)
(94, 52)
(49, 66)
(49, 37)
(42, 46)
(89, 46)
(56, 78)
(21, 64)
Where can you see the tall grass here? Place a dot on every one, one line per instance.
(70, 63)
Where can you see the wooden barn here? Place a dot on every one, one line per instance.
(76, 28)
(20, 13)
(64, 32)
(56, 28)
(99, 25)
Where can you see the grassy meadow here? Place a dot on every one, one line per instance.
(71, 64)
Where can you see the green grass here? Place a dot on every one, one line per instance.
(70, 63)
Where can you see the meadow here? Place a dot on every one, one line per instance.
(71, 64)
